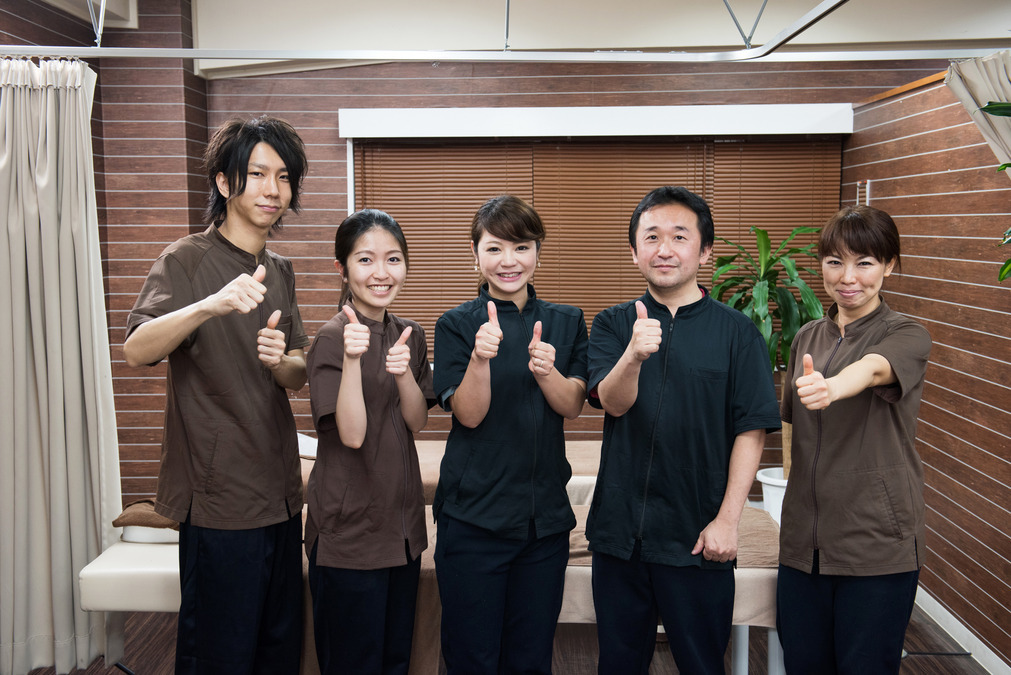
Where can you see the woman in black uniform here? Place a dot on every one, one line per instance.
(510, 367)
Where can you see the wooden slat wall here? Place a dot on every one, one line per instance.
(931, 170)
(154, 127)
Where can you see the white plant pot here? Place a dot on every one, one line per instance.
(773, 490)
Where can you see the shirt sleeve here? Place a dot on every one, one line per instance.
(298, 340)
(604, 349)
(166, 289)
(580, 344)
(452, 355)
(325, 366)
(421, 367)
(754, 394)
(906, 346)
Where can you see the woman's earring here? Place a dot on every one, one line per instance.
(476, 269)
(538, 263)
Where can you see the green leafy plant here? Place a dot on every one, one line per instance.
(765, 288)
(1001, 110)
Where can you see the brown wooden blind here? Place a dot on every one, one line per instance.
(777, 186)
(585, 191)
(433, 191)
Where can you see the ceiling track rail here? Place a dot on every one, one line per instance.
(812, 17)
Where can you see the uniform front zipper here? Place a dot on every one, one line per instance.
(403, 450)
(533, 423)
(656, 424)
(817, 453)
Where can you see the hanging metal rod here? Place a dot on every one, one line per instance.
(733, 15)
(822, 10)
(97, 24)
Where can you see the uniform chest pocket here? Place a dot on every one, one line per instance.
(284, 325)
(712, 374)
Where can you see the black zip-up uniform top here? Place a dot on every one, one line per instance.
(511, 468)
(664, 464)
(855, 492)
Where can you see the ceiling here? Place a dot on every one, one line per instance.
(874, 28)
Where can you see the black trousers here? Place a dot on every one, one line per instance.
(241, 610)
(695, 604)
(500, 598)
(363, 620)
(842, 624)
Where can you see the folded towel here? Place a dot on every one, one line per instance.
(141, 513)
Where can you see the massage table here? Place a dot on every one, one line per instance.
(144, 577)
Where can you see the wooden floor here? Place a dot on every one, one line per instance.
(150, 650)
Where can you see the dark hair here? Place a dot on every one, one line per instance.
(669, 194)
(353, 227)
(862, 230)
(228, 153)
(509, 218)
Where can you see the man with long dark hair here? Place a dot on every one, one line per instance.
(221, 307)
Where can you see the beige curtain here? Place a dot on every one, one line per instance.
(976, 82)
(59, 469)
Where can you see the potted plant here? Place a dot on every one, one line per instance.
(1001, 109)
(765, 285)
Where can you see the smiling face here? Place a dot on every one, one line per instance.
(508, 266)
(853, 282)
(267, 193)
(668, 251)
(375, 272)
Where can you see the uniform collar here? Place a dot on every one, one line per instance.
(861, 324)
(245, 257)
(506, 305)
(658, 309)
(377, 327)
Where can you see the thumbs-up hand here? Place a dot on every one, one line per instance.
(812, 387)
(646, 334)
(489, 335)
(356, 335)
(398, 357)
(242, 294)
(542, 354)
(270, 342)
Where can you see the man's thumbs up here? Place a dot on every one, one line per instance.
(260, 273)
(646, 334)
(270, 342)
(808, 365)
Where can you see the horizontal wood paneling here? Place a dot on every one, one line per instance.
(932, 171)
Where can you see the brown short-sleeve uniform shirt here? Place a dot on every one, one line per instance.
(229, 450)
(364, 503)
(855, 493)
